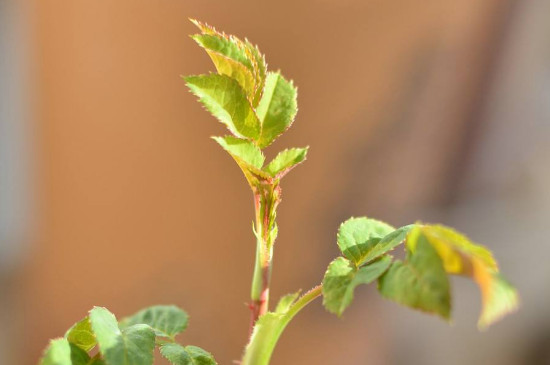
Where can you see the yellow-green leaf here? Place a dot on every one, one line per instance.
(230, 59)
(62, 352)
(285, 161)
(277, 108)
(226, 100)
(247, 155)
(463, 257)
(81, 335)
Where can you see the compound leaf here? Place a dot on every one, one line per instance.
(222, 47)
(81, 335)
(420, 282)
(342, 277)
(166, 320)
(358, 236)
(277, 108)
(226, 100)
(285, 161)
(62, 352)
(132, 346)
(188, 355)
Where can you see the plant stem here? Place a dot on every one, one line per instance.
(266, 200)
(269, 329)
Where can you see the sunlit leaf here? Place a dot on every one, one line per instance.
(358, 236)
(277, 108)
(260, 68)
(230, 59)
(463, 257)
(243, 150)
(62, 352)
(247, 155)
(132, 346)
(285, 161)
(81, 335)
(226, 100)
(342, 277)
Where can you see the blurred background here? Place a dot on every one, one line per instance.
(112, 194)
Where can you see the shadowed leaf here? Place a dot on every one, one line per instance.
(342, 277)
(420, 282)
(188, 355)
(166, 320)
(386, 244)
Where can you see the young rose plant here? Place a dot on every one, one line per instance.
(257, 106)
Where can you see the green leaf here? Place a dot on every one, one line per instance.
(342, 277)
(61, 352)
(285, 161)
(463, 257)
(420, 282)
(358, 236)
(277, 108)
(386, 244)
(247, 155)
(243, 150)
(266, 333)
(81, 335)
(260, 68)
(226, 100)
(230, 59)
(188, 355)
(166, 320)
(238, 52)
(286, 302)
(133, 346)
